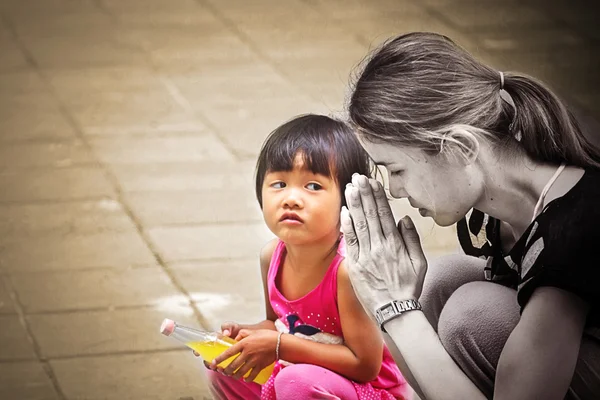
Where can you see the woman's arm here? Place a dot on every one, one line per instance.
(539, 358)
(437, 375)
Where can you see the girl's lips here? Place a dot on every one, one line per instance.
(291, 222)
(290, 217)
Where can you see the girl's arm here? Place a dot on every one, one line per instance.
(539, 358)
(361, 355)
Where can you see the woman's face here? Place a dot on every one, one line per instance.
(442, 188)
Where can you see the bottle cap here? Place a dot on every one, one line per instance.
(167, 327)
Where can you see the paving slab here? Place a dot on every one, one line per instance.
(235, 205)
(159, 376)
(7, 306)
(180, 148)
(62, 218)
(55, 184)
(63, 153)
(73, 252)
(106, 288)
(203, 176)
(209, 241)
(26, 380)
(14, 340)
(103, 332)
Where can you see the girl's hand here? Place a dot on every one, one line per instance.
(257, 351)
(385, 261)
(230, 329)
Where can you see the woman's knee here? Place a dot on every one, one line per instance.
(474, 326)
(444, 276)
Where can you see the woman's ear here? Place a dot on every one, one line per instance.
(461, 143)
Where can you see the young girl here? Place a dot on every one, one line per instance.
(518, 316)
(317, 332)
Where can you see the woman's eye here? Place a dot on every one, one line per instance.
(278, 185)
(314, 186)
(395, 173)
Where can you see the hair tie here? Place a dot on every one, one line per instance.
(501, 80)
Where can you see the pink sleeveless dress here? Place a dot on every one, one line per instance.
(315, 317)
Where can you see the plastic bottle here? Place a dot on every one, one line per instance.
(209, 345)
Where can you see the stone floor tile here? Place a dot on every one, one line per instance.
(103, 332)
(143, 110)
(231, 307)
(150, 376)
(26, 87)
(20, 122)
(220, 206)
(201, 176)
(54, 184)
(491, 16)
(127, 150)
(63, 218)
(180, 17)
(14, 340)
(145, 7)
(13, 58)
(205, 281)
(73, 252)
(82, 52)
(52, 7)
(232, 81)
(7, 306)
(25, 380)
(77, 85)
(341, 9)
(210, 241)
(72, 23)
(530, 40)
(47, 154)
(102, 288)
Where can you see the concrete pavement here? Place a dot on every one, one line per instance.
(128, 135)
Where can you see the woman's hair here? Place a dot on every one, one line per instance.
(328, 147)
(422, 90)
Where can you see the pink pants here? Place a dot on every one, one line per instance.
(299, 381)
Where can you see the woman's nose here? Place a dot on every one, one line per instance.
(397, 190)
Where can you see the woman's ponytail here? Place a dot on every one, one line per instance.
(547, 129)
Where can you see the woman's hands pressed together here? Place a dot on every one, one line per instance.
(385, 261)
(256, 350)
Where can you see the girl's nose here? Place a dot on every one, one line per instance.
(292, 199)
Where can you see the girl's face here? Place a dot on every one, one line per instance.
(438, 187)
(301, 207)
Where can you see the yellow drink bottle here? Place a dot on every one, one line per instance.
(209, 345)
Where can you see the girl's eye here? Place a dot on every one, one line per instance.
(396, 173)
(314, 186)
(278, 185)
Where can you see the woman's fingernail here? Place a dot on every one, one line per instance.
(407, 222)
(362, 181)
(375, 185)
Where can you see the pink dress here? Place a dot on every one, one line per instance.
(315, 317)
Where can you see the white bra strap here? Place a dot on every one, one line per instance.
(540, 203)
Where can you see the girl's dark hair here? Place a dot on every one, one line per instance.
(422, 90)
(329, 147)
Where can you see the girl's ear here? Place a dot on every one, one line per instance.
(461, 143)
